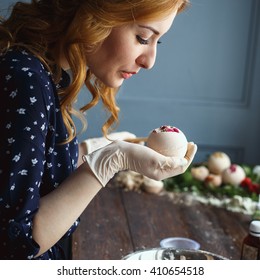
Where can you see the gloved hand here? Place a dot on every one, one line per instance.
(92, 144)
(120, 155)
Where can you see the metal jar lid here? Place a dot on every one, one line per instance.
(254, 228)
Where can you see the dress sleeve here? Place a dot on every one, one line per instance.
(25, 116)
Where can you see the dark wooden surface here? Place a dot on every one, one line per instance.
(117, 223)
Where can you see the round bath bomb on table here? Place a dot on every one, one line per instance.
(168, 141)
(233, 175)
(218, 162)
(152, 186)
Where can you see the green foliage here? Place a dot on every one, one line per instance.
(186, 183)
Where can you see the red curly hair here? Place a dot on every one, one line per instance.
(57, 29)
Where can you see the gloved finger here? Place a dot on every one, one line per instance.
(178, 165)
(191, 151)
(93, 144)
(121, 135)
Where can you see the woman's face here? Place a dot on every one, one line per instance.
(126, 50)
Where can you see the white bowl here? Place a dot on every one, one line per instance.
(179, 243)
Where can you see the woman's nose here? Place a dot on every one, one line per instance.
(147, 59)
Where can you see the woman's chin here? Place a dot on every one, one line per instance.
(114, 83)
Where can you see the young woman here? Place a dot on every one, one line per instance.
(43, 190)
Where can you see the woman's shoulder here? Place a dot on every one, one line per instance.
(21, 60)
(23, 75)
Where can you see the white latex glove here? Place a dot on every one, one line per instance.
(120, 155)
(93, 144)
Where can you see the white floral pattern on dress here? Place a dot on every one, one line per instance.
(32, 161)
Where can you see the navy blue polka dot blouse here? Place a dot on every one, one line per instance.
(32, 161)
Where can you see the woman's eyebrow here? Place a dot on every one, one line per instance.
(150, 28)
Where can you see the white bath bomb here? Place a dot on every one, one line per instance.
(233, 175)
(200, 173)
(152, 186)
(218, 162)
(213, 180)
(168, 140)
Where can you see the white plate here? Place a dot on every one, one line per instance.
(172, 254)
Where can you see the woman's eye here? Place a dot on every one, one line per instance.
(144, 41)
(141, 40)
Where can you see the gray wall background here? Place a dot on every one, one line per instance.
(205, 81)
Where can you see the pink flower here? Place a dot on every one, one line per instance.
(233, 168)
(167, 128)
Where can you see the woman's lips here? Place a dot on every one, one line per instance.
(127, 75)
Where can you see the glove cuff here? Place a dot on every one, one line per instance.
(105, 162)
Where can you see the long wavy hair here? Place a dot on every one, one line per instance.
(57, 29)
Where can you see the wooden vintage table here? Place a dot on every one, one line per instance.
(119, 222)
